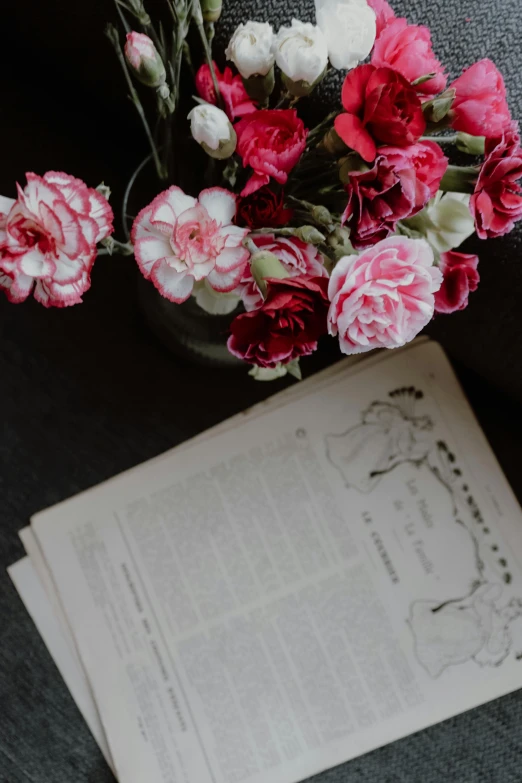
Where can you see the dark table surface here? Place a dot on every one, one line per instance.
(88, 392)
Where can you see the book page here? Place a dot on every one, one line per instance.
(312, 584)
(32, 575)
(41, 610)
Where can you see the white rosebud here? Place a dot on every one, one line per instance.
(302, 54)
(349, 28)
(211, 128)
(250, 49)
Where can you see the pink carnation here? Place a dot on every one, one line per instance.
(496, 203)
(400, 183)
(384, 14)
(271, 141)
(407, 48)
(48, 239)
(235, 97)
(179, 240)
(480, 107)
(383, 297)
(297, 257)
(460, 278)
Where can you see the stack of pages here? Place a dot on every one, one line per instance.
(332, 570)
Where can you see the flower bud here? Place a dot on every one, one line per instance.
(445, 222)
(302, 55)
(211, 128)
(338, 241)
(333, 143)
(309, 234)
(438, 108)
(211, 10)
(350, 162)
(259, 88)
(250, 49)
(472, 145)
(144, 60)
(349, 28)
(264, 264)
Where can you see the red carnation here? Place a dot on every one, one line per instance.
(380, 106)
(286, 326)
(460, 278)
(263, 209)
(271, 141)
(480, 105)
(496, 203)
(237, 103)
(398, 186)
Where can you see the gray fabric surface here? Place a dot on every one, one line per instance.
(88, 392)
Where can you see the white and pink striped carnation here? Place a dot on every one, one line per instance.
(179, 240)
(48, 238)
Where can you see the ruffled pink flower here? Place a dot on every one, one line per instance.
(461, 277)
(407, 48)
(383, 297)
(298, 258)
(496, 203)
(235, 97)
(400, 184)
(48, 239)
(271, 141)
(384, 14)
(480, 107)
(179, 240)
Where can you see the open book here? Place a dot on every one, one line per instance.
(331, 571)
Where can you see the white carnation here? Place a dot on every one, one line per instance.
(210, 126)
(250, 49)
(301, 52)
(349, 28)
(449, 222)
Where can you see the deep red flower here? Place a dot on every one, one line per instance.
(407, 48)
(461, 277)
(398, 186)
(286, 326)
(381, 106)
(480, 105)
(237, 103)
(496, 203)
(271, 141)
(263, 209)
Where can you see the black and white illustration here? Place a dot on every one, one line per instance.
(476, 624)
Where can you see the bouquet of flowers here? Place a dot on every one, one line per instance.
(349, 228)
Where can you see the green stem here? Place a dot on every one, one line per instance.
(197, 16)
(441, 139)
(112, 35)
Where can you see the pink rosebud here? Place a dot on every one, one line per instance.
(496, 203)
(461, 277)
(407, 48)
(383, 297)
(401, 182)
(144, 59)
(48, 239)
(480, 107)
(383, 13)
